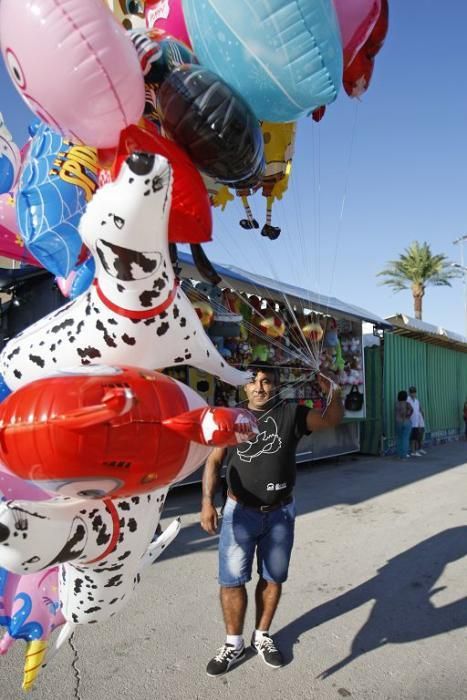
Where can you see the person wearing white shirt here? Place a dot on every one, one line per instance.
(418, 424)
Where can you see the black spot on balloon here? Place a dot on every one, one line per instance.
(163, 328)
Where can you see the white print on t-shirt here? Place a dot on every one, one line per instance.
(276, 487)
(264, 442)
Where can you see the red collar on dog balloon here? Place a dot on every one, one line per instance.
(115, 531)
(131, 313)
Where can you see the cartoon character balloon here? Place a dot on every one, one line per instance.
(284, 56)
(190, 219)
(279, 145)
(135, 311)
(130, 13)
(86, 433)
(168, 16)
(158, 55)
(74, 66)
(213, 123)
(101, 547)
(30, 607)
(58, 179)
(11, 244)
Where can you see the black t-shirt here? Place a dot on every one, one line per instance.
(262, 471)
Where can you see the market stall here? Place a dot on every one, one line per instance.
(254, 319)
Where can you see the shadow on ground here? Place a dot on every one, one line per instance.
(402, 592)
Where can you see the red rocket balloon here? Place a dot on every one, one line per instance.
(108, 431)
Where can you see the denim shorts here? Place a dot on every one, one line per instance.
(246, 530)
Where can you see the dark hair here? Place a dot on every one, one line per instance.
(265, 367)
(402, 396)
(412, 390)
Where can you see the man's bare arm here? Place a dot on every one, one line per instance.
(210, 484)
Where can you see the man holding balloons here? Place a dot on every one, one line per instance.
(259, 514)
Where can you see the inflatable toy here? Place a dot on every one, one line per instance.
(75, 67)
(85, 433)
(283, 56)
(214, 125)
(135, 310)
(10, 159)
(57, 181)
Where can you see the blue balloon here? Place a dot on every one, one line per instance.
(57, 181)
(4, 392)
(283, 56)
(85, 274)
(10, 159)
(7, 174)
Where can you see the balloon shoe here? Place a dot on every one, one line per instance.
(271, 232)
(249, 223)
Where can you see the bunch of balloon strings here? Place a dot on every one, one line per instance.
(299, 249)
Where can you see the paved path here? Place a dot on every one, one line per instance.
(376, 604)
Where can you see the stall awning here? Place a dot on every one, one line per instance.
(252, 283)
(427, 332)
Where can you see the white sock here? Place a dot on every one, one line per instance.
(236, 640)
(259, 634)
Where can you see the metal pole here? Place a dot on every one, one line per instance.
(461, 240)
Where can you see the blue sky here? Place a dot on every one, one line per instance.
(368, 180)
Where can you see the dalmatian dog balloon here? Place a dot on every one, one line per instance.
(136, 310)
(100, 546)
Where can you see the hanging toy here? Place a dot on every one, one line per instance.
(205, 313)
(279, 142)
(313, 331)
(330, 337)
(272, 326)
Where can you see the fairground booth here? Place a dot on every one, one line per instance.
(252, 318)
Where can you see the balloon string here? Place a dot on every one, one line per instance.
(293, 352)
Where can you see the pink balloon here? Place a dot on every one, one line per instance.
(30, 606)
(65, 284)
(12, 487)
(11, 244)
(74, 65)
(168, 16)
(356, 20)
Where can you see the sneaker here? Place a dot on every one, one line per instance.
(415, 454)
(266, 648)
(226, 657)
(422, 452)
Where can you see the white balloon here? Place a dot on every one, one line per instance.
(135, 313)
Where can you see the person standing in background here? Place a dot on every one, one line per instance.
(418, 424)
(403, 414)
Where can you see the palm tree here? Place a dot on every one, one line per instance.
(417, 268)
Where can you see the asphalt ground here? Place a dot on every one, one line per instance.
(375, 606)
